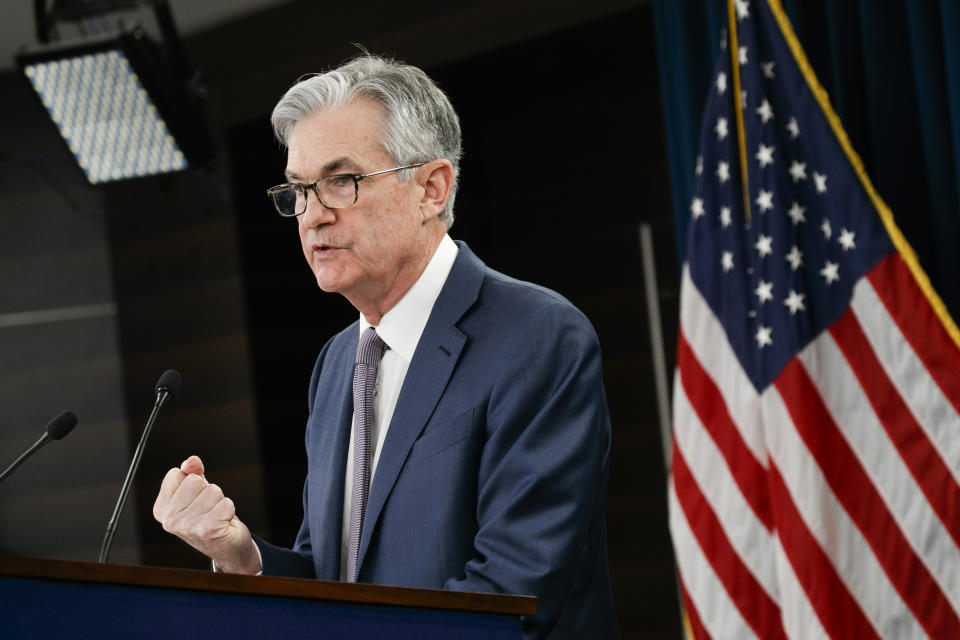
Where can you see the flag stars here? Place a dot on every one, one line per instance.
(725, 218)
(793, 128)
(821, 181)
(765, 201)
(743, 9)
(794, 302)
(762, 336)
(798, 171)
(764, 155)
(830, 272)
(743, 99)
(765, 111)
(726, 261)
(699, 168)
(721, 82)
(796, 213)
(795, 258)
(764, 245)
(846, 239)
(742, 55)
(764, 291)
(696, 208)
(723, 171)
(721, 128)
(767, 69)
(825, 227)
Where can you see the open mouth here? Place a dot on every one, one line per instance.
(323, 249)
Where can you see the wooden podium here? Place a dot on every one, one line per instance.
(58, 599)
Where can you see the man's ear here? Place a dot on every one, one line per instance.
(436, 178)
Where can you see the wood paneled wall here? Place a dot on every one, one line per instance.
(58, 346)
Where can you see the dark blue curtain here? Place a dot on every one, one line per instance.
(892, 69)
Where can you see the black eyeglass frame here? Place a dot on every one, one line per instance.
(356, 177)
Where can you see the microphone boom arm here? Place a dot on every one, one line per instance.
(44, 439)
(162, 395)
(57, 429)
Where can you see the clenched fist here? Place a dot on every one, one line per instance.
(198, 513)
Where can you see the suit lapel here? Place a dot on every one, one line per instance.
(329, 448)
(433, 363)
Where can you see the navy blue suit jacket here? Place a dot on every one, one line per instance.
(493, 474)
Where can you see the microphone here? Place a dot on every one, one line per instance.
(168, 386)
(57, 429)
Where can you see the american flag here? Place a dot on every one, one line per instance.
(815, 479)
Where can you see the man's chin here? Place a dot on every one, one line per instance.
(330, 283)
(333, 275)
(327, 286)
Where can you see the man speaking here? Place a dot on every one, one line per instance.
(458, 435)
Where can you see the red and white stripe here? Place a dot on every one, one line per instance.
(829, 504)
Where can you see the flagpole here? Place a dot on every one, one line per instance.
(660, 378)
(657, 350)
(737, 106)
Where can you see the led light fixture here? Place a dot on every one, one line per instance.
(106, 116)
(122, 105)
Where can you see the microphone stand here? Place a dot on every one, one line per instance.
(57, 429)
(162, 395)
(44, 439)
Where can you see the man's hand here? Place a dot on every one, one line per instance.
(198, 513)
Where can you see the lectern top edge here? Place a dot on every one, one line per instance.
(163, 577)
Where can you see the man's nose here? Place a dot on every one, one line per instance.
(316, 213)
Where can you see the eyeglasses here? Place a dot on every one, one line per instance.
(334, 192)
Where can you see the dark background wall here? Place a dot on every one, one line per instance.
(564, 158)
(58, 345)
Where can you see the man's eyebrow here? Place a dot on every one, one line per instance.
(340, 164)
(334, 166)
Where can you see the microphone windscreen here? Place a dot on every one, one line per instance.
(170, 381)
(62, 424)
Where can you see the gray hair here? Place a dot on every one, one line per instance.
(420, 123)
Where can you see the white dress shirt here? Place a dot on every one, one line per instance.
(401, 328)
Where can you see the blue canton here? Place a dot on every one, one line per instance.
(777, 280)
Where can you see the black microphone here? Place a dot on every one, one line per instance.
(167, 387)
(57, 429)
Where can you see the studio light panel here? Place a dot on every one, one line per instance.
(106, 116)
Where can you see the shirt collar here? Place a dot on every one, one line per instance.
(402, 326)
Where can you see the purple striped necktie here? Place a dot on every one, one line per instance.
(369, 353)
